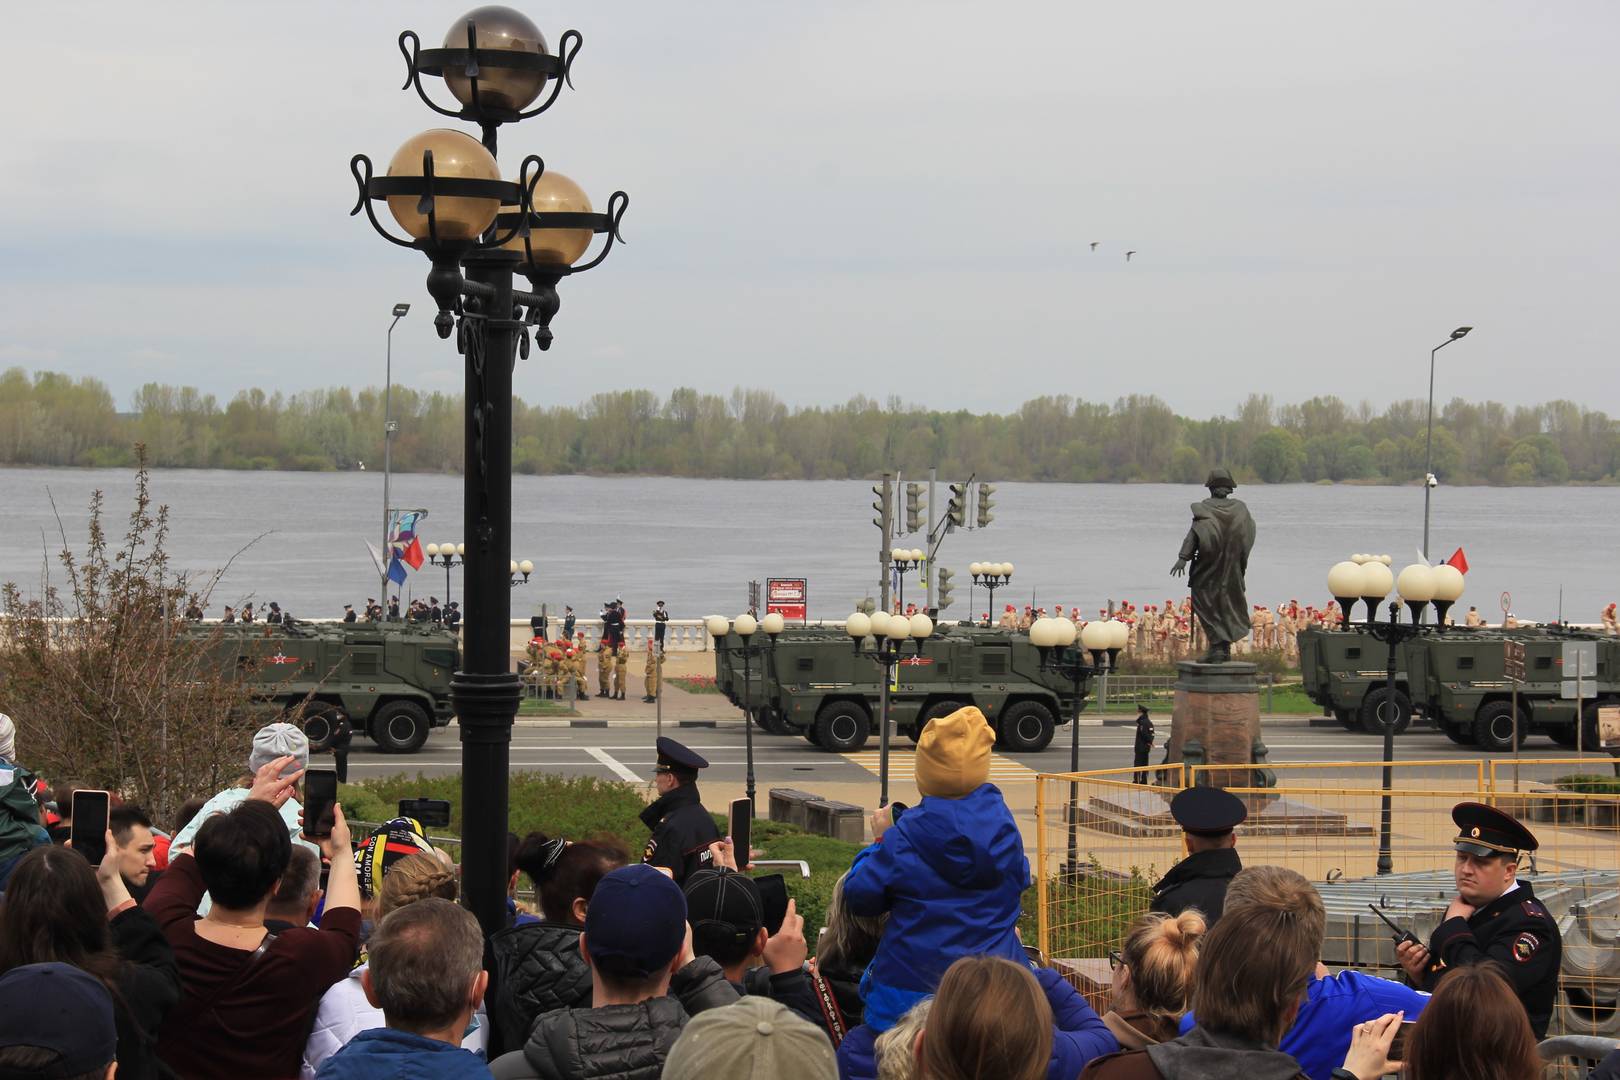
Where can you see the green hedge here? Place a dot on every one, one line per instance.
(1589, 784)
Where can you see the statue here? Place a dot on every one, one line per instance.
(1218, 546)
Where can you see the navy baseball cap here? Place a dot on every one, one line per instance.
(58, 1007)
(636, 922)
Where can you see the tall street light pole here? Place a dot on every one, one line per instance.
(388, 440)
(443, 187)
(1428, 438)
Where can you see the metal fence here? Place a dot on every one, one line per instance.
(1103, 840)
(1123, 693)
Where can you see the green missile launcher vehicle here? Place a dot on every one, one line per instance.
(389, 681)
(811, 682)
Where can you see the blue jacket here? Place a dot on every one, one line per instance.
(951, 874)
(386, 1054)
(1320, 1036)
(1078, 1036)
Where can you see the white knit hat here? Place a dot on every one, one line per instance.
(279, 740)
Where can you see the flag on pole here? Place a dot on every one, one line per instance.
(413, 553)
(1459, 560)
(396, 571)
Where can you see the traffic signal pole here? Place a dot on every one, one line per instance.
(928, 569)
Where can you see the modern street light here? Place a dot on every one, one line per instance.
(992, 576)
(881, 637)
(389, 426)
(905, 560)
(1418, 585)
(1429, 481)
(746, 627)
(444, 189)
(447, 556)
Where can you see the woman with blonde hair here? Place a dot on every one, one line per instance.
(1153, 976)
(344, 1010)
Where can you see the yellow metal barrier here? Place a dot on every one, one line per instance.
(1103, 841)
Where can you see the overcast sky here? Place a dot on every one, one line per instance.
(831, 198)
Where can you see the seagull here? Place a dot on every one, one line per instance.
(1094, 244)
(1128, 255)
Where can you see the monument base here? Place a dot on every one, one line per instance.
(1217, 721)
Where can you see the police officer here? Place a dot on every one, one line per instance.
(1494, 917)
(1144, 744)
(1207, 816)
(682, 829)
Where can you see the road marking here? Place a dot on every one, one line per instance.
(607, 759)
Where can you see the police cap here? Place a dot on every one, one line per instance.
(677, 759)
(1208, 811)
(1484, 831)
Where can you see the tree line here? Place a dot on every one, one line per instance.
(53, 419)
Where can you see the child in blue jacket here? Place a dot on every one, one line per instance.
(950, 872)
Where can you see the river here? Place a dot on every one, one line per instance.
(696, 543)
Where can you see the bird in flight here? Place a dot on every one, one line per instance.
(1128, 255)
(1094, 244)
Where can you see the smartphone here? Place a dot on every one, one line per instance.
(432, 813)
(1397, 1048)
(773, 898)
(89, 831)
(739, 823)
(320, 796)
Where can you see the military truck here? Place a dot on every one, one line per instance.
(811, 682)
(1456, 679)
(390, 681)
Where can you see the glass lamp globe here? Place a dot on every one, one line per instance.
(1416, 584)
(772, 623)
(1448, 582)
(499, 28)
(1344, 581)
(461, 549)
(717, 625)
(1376, 581)
(898, 628)
(1067, 631)
(432, 551)
(858, 625)
(554, 193)
(1042, 633)
(976, 569)
(460, 218)
(879, 622)
(511, 567)
(921, 626)
(526, 566)
(1095, 636)
(1119, 635)
(745, 625)
(1006, 569)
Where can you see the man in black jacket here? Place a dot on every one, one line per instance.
(682, 829)
(728, 923)
(636, 939)
(1207, 817)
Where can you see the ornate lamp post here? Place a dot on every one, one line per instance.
(444, 189)
(516, 567)
(905, 560)
(746, 627)
(882, 637)
(1054, 640)
(448, 556)
(992, 576)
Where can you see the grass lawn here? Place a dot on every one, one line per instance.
(529, 706)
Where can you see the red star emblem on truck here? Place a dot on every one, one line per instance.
(917, 661)
(281, 658)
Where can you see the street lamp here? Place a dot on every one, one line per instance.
(905, 560)
(746, 627)
(881, 637)
(1054, 639)
(447, 556)
(992, 576)
(1417, 586)
(525, 567)
(444, 189)
(1429, 481)
(389, 426)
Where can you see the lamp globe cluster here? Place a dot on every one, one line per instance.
(1368, 578)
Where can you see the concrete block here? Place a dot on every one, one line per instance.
(840, 820)
(787, 805)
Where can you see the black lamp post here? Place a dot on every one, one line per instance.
(445, 190)
(992, 576)
(1054, 640)
(746, 627)
(448, 556)
(888, 635)
(1428, 435)
(905, 560)
(514, 568)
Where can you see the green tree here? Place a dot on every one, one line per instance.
(1277, 456)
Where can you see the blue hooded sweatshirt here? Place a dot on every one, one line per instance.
(1333, 1006)
(951, 874)
(386, 1054)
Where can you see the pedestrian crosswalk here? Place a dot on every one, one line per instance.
(902, 766)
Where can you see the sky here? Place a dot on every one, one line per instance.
(841, 198)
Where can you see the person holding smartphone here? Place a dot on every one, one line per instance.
(235, 976)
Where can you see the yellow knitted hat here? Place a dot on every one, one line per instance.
(953, 754)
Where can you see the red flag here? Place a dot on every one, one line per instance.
(1459, 560)
(413, 553)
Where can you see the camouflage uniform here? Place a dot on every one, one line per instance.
(654, 671)
(621, 671)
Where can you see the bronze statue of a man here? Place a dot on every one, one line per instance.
(1218, 546)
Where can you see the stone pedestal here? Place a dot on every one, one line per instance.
(1217, 720)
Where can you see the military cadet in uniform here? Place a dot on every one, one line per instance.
(604, 668)
(621, 671)
(1494, 917)
(452, 615)
(275, 613)
(655, 665)
(1207, 816)
(682, 829)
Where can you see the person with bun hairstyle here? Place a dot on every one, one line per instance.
(345, 1010)
(1153, 973)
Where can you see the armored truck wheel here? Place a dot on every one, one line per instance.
(1347, 719)
(1027, 727)
(400, 727)
(322, 723)
(1493, 726)
(842, 726)
(771, 721)
(809, 734)
(1461, 734)
(1375, 711)
(1562, 734)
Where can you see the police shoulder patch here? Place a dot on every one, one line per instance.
(647, 852)
(1525, 946)
(1534, 909)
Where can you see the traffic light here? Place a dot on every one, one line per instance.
(881, 505)
(956, 513)
(942, 589)
(914, 508)
(986, 503)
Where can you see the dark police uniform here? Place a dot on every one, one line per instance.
(1514, 930)
(1144, 744)
(1200, 880)
(681, 829)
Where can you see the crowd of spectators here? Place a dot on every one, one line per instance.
(230, 944)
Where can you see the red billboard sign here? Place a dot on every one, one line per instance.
(788, 597)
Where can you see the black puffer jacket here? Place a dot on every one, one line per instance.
(535, 968)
